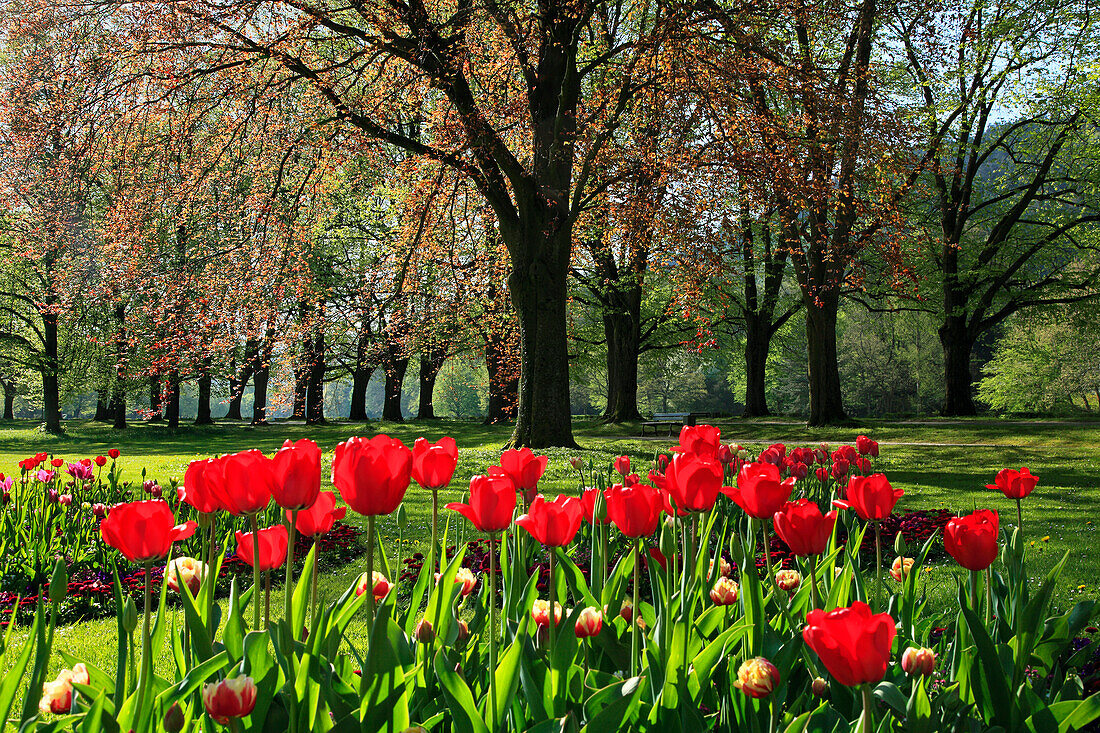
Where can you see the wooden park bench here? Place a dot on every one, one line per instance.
(672, 420)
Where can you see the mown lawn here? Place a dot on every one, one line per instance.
(938, 463)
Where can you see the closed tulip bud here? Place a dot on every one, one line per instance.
(757, 677)
(59, 582)
(589, 622)
(233, 698)
(901, 567)
(918, 661)
(414, 729)
(129, 615)
(424, 632)
(724, 567)
(402, 517)
(463, 630)
(788, 580)
(377, 581)
(173, 719)
(819, 687)
(626, 611)
(576, 462)
(725, 592)
(900, 545)
(540, 612)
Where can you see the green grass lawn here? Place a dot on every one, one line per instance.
(938, 463)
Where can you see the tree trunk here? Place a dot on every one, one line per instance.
(118, 395)
(958, 380)
(118, 408)
(826, 399)
(261, 373)
(503, 381)
(539, 292)
(430, 364)
(315, 397)
(395, 367)
(156, 405)
(9, 400)
(102, 406)
(238, 381)
(622, 329)
(301, 388)
(51, 390)
(202, 410)
(172, 400)
(758, 336)
(360, 377)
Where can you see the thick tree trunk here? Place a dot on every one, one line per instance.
(315, 398)
(758, 336)
(360, 378)
(958, 380)
(118, 408)
(172, 400)
(261, 373)
(51, 389)
(102, 405)
(537, 285)
(118, 394)
(395, 367)
(202, 410)
(622, 329)
(301, 388)
(430, 364)
(156, 405)
(9, 400)
(826, 399)
(503, 382)
(238, 381)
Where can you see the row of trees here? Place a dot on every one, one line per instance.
(196, 192)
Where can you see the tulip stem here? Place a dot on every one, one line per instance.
(878, 561)
(868, 709)
(209, 577)
(313, 585)
(370, 570)
(435, 532)
(814, 598)
(553, 623)
(635, 648)
(689, 571)
(255, 573)
(267, 600)
(292, 532)
(988, 594)
(1020, 518)
(493, 630)
(975, 600)
(146, 643)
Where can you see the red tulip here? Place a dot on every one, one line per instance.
(242, 480)
(699, 440)
(1014, 484)
(694, 481)
(622, 465)
(273, 541)
(840, 468)
(296, 474)
(635, 510)
(101, 461)
(589, 622)
(113, 453)
(57, 462)
(588, 505)
(434, 463)
(233, 698)
(492, 501)
(801, 525)
(372, 475)
(318, 518)
(972, 540)
(523, 467)
(871, 496)
(552, 523)
(143, 530)
(853, 644)
(724, 455)
(197, 490)
(760, 491)
(866, 446)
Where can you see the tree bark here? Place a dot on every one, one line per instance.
(503, 381)
(51, 389)
(958, 381)
(826, 399)
(202, 410)
(395, 367)
(261, 373)
(622, 330)
(301, 389)
(315, 397)
(172, 400)
(118, 393)
(758, 336)
(238, 381)
(540, 262)
(360, 378)
(9, 399)
(102, 405)
(156, 405)
(430, 364)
